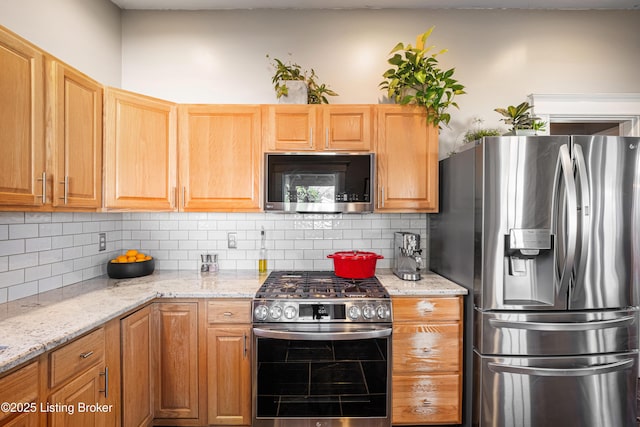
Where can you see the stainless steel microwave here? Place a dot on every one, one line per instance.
(320, 182)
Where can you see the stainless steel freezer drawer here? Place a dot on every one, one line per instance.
(556, 333)
(572, 391)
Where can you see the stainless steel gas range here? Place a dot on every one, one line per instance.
(322, 351)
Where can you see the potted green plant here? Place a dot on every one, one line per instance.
(317, 92)
(295, 85)
(415, 78)
(520, 119)
(479, 132)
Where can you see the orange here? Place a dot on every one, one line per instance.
(122, 258)
(114, 261)
(131, 259)
(140, 255)
(147, 258)
(132, 252)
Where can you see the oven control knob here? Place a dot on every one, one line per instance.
(261, 312)
(382, 311)
(290, 312)
(353, 312)
(368, 312)
(275, 312)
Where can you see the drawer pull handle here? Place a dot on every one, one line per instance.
(426, 350)
(85, 355)
(228, 314)
(426, 402)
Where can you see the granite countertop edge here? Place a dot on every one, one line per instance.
(35, 325)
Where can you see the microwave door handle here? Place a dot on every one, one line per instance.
(562, 372)
(564, 170)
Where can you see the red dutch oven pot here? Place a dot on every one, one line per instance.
(355, 264)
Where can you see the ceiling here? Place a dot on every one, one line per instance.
(375, 4)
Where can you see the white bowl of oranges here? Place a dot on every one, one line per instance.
(130, 264)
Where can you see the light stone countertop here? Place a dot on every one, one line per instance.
(32, 326)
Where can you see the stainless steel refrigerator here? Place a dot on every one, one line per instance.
(545, 233)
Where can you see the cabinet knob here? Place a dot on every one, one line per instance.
(426, 350)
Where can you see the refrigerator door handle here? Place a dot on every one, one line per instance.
(562, 372)
(563, 326)
(564, 166)
(585, 207)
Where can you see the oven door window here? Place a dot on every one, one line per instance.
(322, 378)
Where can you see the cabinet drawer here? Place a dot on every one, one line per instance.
(229, 311)
(427, 348)
(20, 386)
(425, 309)
(75, 357)
(426, 399)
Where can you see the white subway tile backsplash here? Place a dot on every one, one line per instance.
(12, 217)
(23, 260)
(22, 290)
(23, 231)
(42, 251)
(11, 247)
(37, 273)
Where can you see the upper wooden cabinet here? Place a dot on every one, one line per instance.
(74, 137)
(220, 157)
(407, 160)
(289, 127)
(23, 178)
(298, 128)
(140, 152)
(347, 127)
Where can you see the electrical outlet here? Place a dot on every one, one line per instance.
(102, 242)
(232, 240)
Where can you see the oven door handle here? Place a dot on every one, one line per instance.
(287, 334)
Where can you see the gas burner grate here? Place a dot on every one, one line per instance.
(319, 284)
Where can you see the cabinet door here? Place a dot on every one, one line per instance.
(220, 155)
(74, 109)
(20, 387)
(176, 368)
(229, 375)
(69, 405)
(22, 146)
(140, 152)
(137, 375)
(426, 399)
(290, 127)
(407, 160)
(347, 127)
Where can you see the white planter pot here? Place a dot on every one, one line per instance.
(526, 132)
(297, 92)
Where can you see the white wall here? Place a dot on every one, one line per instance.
(500, 55)
(83, 33)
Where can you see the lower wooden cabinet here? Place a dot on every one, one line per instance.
(20, 388)
(137, 371)
(69, 405)
(427, 361)
(178, 365)
(229, 362)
